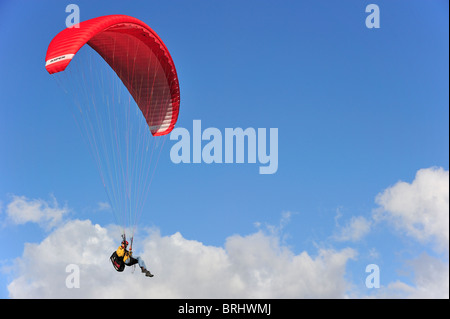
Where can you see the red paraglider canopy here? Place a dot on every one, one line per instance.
(137, 55)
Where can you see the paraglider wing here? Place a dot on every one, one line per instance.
(136, 54)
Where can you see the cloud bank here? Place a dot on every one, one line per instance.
(258, 265)
(253, 266)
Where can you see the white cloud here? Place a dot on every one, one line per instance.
(430, 278)
(420, 209)
(355, 230)
(253, 266)
(22, 210)
(103, 206)
(267, 270)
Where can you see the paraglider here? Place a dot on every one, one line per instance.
(123, 257)
(139, 75)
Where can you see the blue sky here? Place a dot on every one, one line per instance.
(357, 110)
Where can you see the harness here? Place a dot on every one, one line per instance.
(117, 262)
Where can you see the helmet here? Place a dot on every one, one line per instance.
(125, 243)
